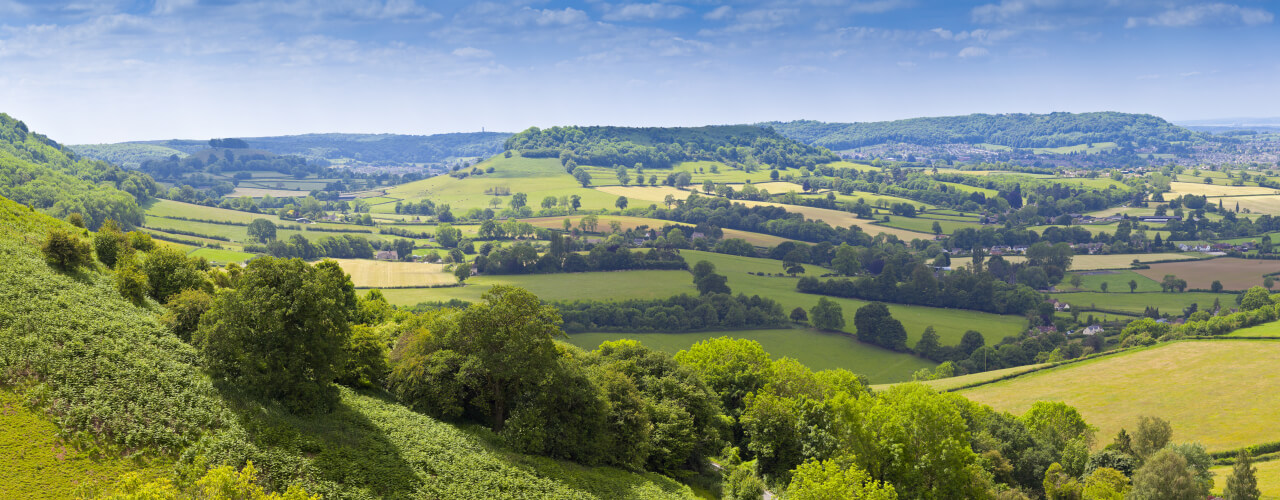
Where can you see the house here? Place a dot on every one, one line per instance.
(1092, 330)
(303, 220)
(696, 235)
(387, 255)
(1160, 219)
(1060, 306)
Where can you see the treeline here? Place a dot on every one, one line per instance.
(772, 220)
(339, 247)
(1014, 130)
(36, 171)
(681, 313)
(958, 289)
(737, 145)
(523, 258)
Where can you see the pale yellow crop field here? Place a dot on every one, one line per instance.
(1181, 188)
(378, 273)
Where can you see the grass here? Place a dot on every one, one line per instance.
(816, 349)
(1267, 473)
(627, 222)
(380, 273)
(221, 256)
(169, 208)
(1267, 204)
(925, 225)
(37, 464)
(1271, 329)
(1208, 391)
(1117, 281)
(261, 192)
(949, 323)
(1235, 274)
(1124, 301)
(963, 380)
(536, 177)
(1097, 262)
(1094, 148)
(561, 286)
(1217, 189)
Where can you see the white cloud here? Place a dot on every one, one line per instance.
(719, 13)
(165, 7)
(760, 20)
(877, 6)
(472, 53)
(1189, 74)
(969, 52)
(802, 69)
(1207, 13)
(677, 46)
(1007, 10)
(646, 12)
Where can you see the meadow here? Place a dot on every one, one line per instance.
(1206, 389)
(616, 285)
(949, 383)
(221, 256)
(628, 222)
(1201, 189)
(1235, 274)
(818, 350)
(1095, 262)
(1116, 280)
(1267, 204)
(1268, 474)
(380, 273)
(925, 224)
(1271, 329)
(1123, 301)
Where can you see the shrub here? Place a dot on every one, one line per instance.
(66, 251)
(132, 284)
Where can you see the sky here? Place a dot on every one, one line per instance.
(110, 71)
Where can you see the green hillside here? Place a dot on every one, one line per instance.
(656, 147)
(1016, 130)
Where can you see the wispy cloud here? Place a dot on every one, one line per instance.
(472, 53)
(878, 6)
(1202, 14)
(971, 52)
(646, 12)
(721, 12)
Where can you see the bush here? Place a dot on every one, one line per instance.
(66, 251)
(184, 312)
(132, 284)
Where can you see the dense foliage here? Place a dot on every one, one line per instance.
(523, 258)
(743, 145)
(676, 314)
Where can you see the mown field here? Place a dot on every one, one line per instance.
(1116, 280)
(561, 286)
(1235, 274)
(1123, 301)
(37, 464)
(380, 273)
(220, 256)
(1207, 389)
(1264, 330)
(816, 349)
(1268, 474)
(1216, 189)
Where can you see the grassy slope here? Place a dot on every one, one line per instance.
(1268, 474)
(1206, 389)
(66, 327)
(1271, 329)
(1117, 281)
(1123, 301)
(536, 177)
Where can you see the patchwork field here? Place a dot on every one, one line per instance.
(1206, 389)
(1235, 274)
(1135, 303)
(536, 177)
(379, 273)
(562, 286)
(816, 349)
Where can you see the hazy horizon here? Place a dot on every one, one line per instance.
(115, 71)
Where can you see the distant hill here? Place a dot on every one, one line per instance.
(661, 147)
(1222, 125)
(368, 148)
(1051, 130)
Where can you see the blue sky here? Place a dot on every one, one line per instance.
(85, 71)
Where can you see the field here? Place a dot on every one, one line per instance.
(168, 208)
(1267, 204)
(39, 465)
(1123, 301)
(1093, 148)
(758, 239)
(1207, 389)
(816, 349)
(220, 256)
(1235, 274)
(1096, 262)
(946, 384)
(260, 192)
(1268, 474)
(949, 323)
(536, 177)
(1117, 281)
(561, 286)
(925, 224)
(1271, 329)
(379, 273)
(1198, 188)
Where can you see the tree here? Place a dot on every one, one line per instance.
(132, 284)
(1255, 298)
(846, 260)
(702, 268)
(184, 310)
(712, 283)
(110, 244)
(1106, 484)
(1152, 435)
(1269, 282)
(836, 479)
(733, 368)
(1216, 286)
(66, 251)
(929, 343)
(169, 271)
(462, 271)
(518, 201)
(798, 315)
(583, 177)
(262, 230)
(827, 315)
(448, 236)
(1103, 286)
(1076, 281)
(875, 325)
(621, 203)
(1166, 476)
(1059, 485)
(1242, 484)
(281, 332)
(1133, 285)
(937, 228)
(971, 341)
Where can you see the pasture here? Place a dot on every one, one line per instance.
(169, 208)
(536, 177)
(367, 273)
(253, 192)
(925, 224)
(628, 222)
(816, 349)
(946, 384)
(1117, 281)
(221, 256)
(1135, 303)
(1201, 189)
(950, 324)
(1235, 274)
(1268, 474)
(1271, 329)
(1206, 389)
(616, 285)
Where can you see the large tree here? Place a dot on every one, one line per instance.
(1166, 475)
(280, 333)
(1242, 484)
(262, 230)
(875, 325)
(827, 315)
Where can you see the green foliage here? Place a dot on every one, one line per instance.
(1057, 423)
(1059, 485)
(1106, 484)
(1242, 484)
(663, 147)
(262, 230)
(875, 325)
(281, 332)
(827, 315)
(183, 311)
(169, 271)
(742, 483)
(733, 368)
(132, 284)
(66, 251)
(712, 283)
(836, 479)
(1256, 298)
(1152, 435)
(111, 245)
(1166, 475)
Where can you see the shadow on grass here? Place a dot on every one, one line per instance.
(338, 454)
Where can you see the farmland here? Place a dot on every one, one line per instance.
(562, 286)
(1135, 303)
(376, 273)
(946, 384)
(816, 349)
(1268, 475)
(1235, 274)
(1264, 330)
(536, 177)
(1200, 189)
(1205, 389)
(1117, 281)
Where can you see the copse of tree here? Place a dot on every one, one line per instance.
(827, 315)
(280, 333)
(262, 230)
(876, 326)
(612, 255)
(959, 289)
(169, 271)
(675, 314)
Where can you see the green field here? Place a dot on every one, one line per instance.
(1209, 390)
(816, 349)
(221, 256)
(1123, 301)
(39, 465)
(1117, 281)
(616, 285)
(1271, 329)
(925, 225)
(1268, 474)
(946, 384)
(949, 323)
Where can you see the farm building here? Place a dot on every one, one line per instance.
(1092, 330)
(387, 255)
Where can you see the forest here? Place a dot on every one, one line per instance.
(744, 146)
